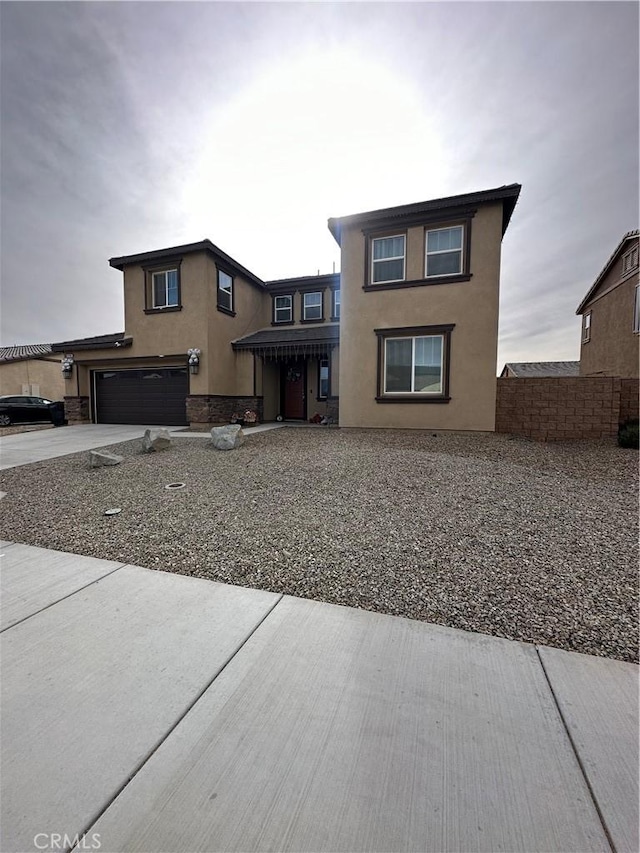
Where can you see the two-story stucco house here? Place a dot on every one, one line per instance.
(611, 315)
(412, 319)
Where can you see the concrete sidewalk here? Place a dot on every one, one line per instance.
(157, 712)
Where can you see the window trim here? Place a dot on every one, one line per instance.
(586, 327)
(428, 223)
(444, 331)
(149, 272)
(636, 310)
(324, 361)
(274, 317)
(223, 308)
(303, 309)
(371, 239)
(462, 250)
(335, 315)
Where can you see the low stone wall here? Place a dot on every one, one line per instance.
(203, 410)
(628, 399)
(569, 407)
(333, 409)
(76, 410)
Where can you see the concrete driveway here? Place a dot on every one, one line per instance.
(147, 711)
(27, 447)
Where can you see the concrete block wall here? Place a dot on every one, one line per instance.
(569, 407)
(628, 399)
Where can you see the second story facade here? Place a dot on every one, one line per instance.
(419, 328)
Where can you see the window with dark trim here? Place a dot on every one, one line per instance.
(323, 378)
(225, 292)
(444, 251)
(586, 327)
(413, 364)
(388, 256)
(312, 308)
(283, 308)
(335, 304)
(162, 287)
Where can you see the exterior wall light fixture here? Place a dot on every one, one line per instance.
(67, 366)
(194, 360)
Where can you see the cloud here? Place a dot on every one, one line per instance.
(132, 126)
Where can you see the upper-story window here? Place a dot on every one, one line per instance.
(388, 259)
(444, 251)
(335, 308)
(630, 261)
(312, 306)
(586, 327)
(225, 292)
(164, 289)
(283, 308)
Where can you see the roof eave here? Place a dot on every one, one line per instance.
(630, 235)
(507, 194)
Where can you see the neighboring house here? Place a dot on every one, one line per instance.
(412, 318)
(32, 369)
(611, 316)
(540, 369)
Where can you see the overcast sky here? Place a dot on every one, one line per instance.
(128, 127)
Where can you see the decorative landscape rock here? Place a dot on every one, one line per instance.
(227, 437)
(102, 458)
(155, 439)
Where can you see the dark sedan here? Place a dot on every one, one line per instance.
(25, 410)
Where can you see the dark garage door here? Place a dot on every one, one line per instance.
(151, 396)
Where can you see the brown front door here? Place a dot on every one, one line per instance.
(293, 383)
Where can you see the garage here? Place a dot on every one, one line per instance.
(148, 396)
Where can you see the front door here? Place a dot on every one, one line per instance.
(293, 390)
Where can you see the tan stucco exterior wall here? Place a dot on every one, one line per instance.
(271, 388)
(230, 372)
(163, 338)
(472, 306)
(43, 377)
(613, 349)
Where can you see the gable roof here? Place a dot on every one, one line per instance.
(117, 339)
(507, 194)
(630, 235)
(187, 249)
(536, 369)
(26, 351)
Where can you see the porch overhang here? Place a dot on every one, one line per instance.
(292, 342)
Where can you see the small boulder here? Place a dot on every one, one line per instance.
(155, 439)
(227, 437)
(101, 458)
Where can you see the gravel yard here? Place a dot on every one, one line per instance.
(534, 542)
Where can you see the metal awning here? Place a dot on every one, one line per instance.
(292, 342)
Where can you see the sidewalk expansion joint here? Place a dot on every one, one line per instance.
(177, 722)
(574, 747)
(63, 598)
